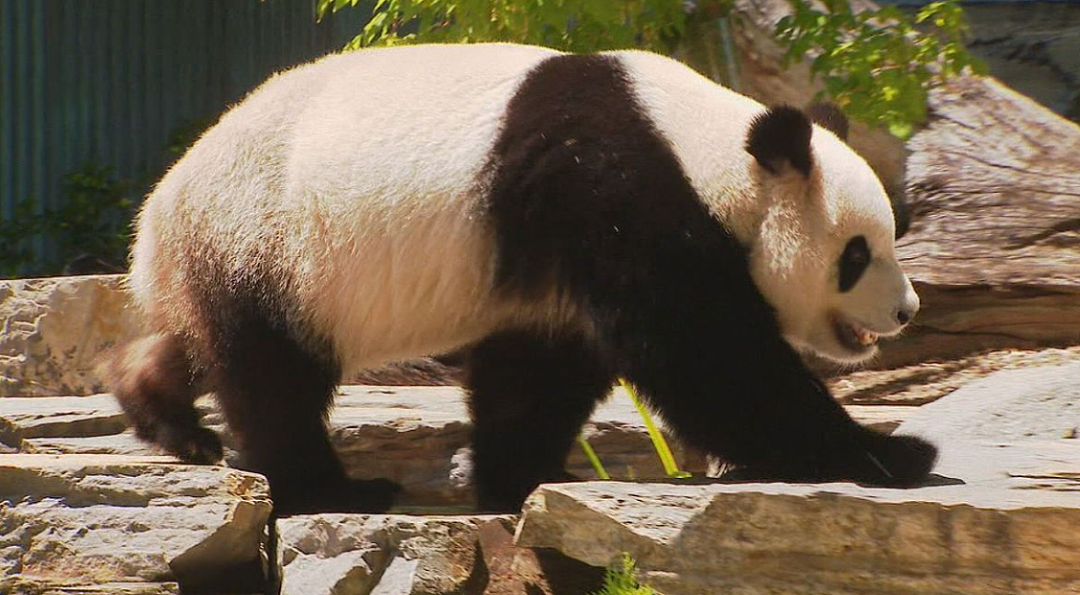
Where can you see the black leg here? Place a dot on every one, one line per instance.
(275, 393)
(529, 396)
(154, 382)
(705, 349)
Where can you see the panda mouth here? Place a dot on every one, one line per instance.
(854, 337)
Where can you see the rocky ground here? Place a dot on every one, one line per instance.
(86, 508)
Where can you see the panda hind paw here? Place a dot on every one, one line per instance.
(195, 445)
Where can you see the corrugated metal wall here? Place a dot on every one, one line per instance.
(107, 81)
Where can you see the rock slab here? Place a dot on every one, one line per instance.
(1008, 406)
(839, 539)
(58, 417)
(93, 520)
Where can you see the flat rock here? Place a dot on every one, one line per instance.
(102, 519)
(997, 535)
(334, 554)
(124, 443)
(419, 436)
(53, 330)
(925, 382)
(39, 417)
(1008, 406)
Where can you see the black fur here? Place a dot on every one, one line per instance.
(901, 210)
(156, 385)
(829, 116)
(780, 137)
(853, 263)
(276, 391)
(585, 193)
(529, 395)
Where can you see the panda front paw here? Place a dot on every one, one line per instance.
(871, 459)
(896, 461)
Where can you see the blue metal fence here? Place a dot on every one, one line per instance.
(107, 81)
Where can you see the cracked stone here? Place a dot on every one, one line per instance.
(100, 519)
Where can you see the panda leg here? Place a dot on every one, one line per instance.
(154, 382)
(529, 396)
(275, 394)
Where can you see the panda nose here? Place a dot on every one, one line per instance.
(909, 305)
(904, 315)
(907, 312)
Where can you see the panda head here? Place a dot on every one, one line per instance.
(822, 247)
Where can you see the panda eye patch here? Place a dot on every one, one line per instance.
(853, 262)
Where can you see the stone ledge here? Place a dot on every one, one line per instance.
(20, 586)
(842, 539)
(417, 436)
(1008, 529)
(23, 418)
(112, 519)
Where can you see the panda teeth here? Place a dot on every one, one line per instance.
(866, 337)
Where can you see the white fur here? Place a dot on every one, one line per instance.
(362, 167)
(355, 177)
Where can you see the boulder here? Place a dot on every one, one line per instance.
(53, 330)
(95, 520)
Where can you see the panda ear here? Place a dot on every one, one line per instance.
(780, 138)
(828, 116)
(901, 210)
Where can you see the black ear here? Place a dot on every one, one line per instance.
(779, 137)
(828, 116)
(901, 210)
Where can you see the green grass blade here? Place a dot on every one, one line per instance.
(659, 443)
(595, 460)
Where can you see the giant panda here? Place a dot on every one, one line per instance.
(569, 219)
